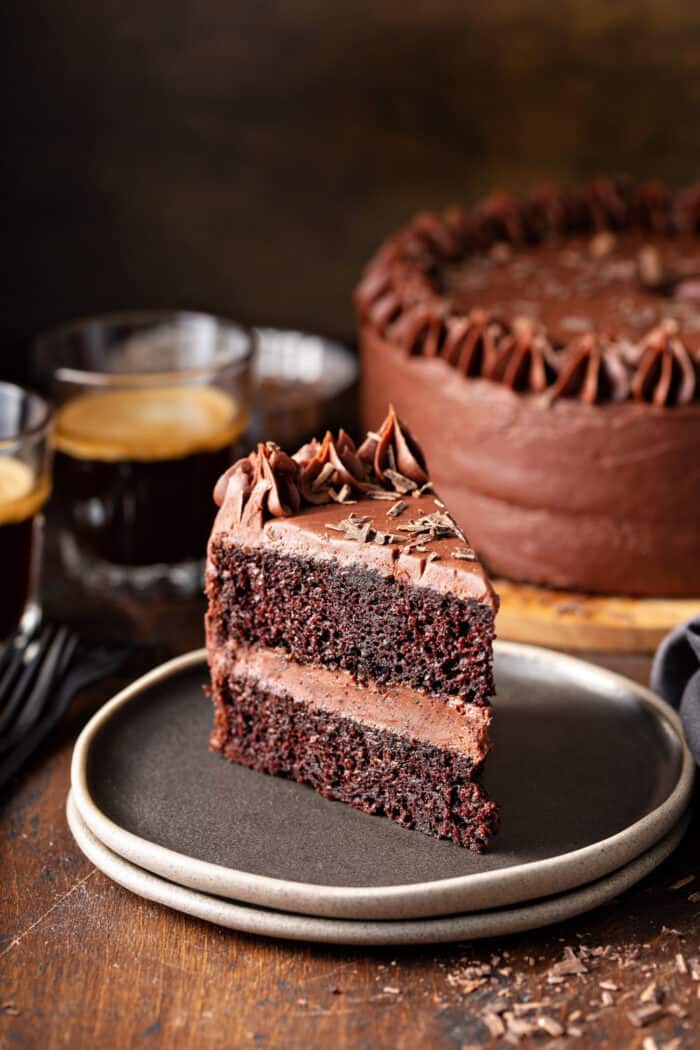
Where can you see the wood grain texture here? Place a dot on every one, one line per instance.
(84, 963)
(594, 623)
(248, 158)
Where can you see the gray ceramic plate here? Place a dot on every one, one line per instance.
(590, 770)
(268, 923)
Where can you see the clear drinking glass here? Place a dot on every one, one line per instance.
(25, 485)
(151, 408)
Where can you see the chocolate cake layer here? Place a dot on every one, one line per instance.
(400, 754)
(366, 608)
(548, 354)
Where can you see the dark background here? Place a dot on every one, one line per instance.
(247, 157)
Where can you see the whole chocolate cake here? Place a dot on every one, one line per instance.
(548, 352)
(349, 632)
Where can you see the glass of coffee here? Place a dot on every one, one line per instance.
(151, 409)
(25, 484)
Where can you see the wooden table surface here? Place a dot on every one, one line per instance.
(85, 964)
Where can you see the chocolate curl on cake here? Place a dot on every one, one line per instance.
(393, 453)
(329, 466)
(666, 373)
(592, 372)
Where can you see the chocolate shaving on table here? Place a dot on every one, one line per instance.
(400, 296)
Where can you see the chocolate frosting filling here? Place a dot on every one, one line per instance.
(455, 724)
(406, 295)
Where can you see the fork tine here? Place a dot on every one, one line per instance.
(92, 666)
(18, 675)
(12, 658)
(8, 651)
(48, 663)
(16, 643)
(67, 655)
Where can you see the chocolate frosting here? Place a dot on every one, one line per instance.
(268, 483)
(406, 296)
(666, 373)
(593, 372)
(594, 497)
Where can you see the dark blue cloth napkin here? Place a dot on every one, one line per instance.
(675, 675)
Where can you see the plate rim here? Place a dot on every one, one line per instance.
(266, 922)
(478, 891)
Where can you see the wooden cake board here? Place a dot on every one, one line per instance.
(596, 623)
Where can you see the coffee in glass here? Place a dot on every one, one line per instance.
(25, 421)
(152, 408)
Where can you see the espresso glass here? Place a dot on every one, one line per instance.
(25, 484)
(151, 409)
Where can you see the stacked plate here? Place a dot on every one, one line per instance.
(591, 772)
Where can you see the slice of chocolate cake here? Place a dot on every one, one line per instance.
(350, 630)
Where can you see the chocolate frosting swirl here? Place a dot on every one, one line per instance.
(260, 486)
(592, 372)
(400, 295)
(522, 359)
(268, 483)
(393, 449)
(666, 373)
(687, 210)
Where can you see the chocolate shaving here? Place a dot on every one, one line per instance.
(651, 272)
(343, 496)
(401, 484)
(397, 510)
(550, 1026)
(568, 966)
(645, 1015)
(382, 494)
(494, 1024)
(436, 526)
(464, 553)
